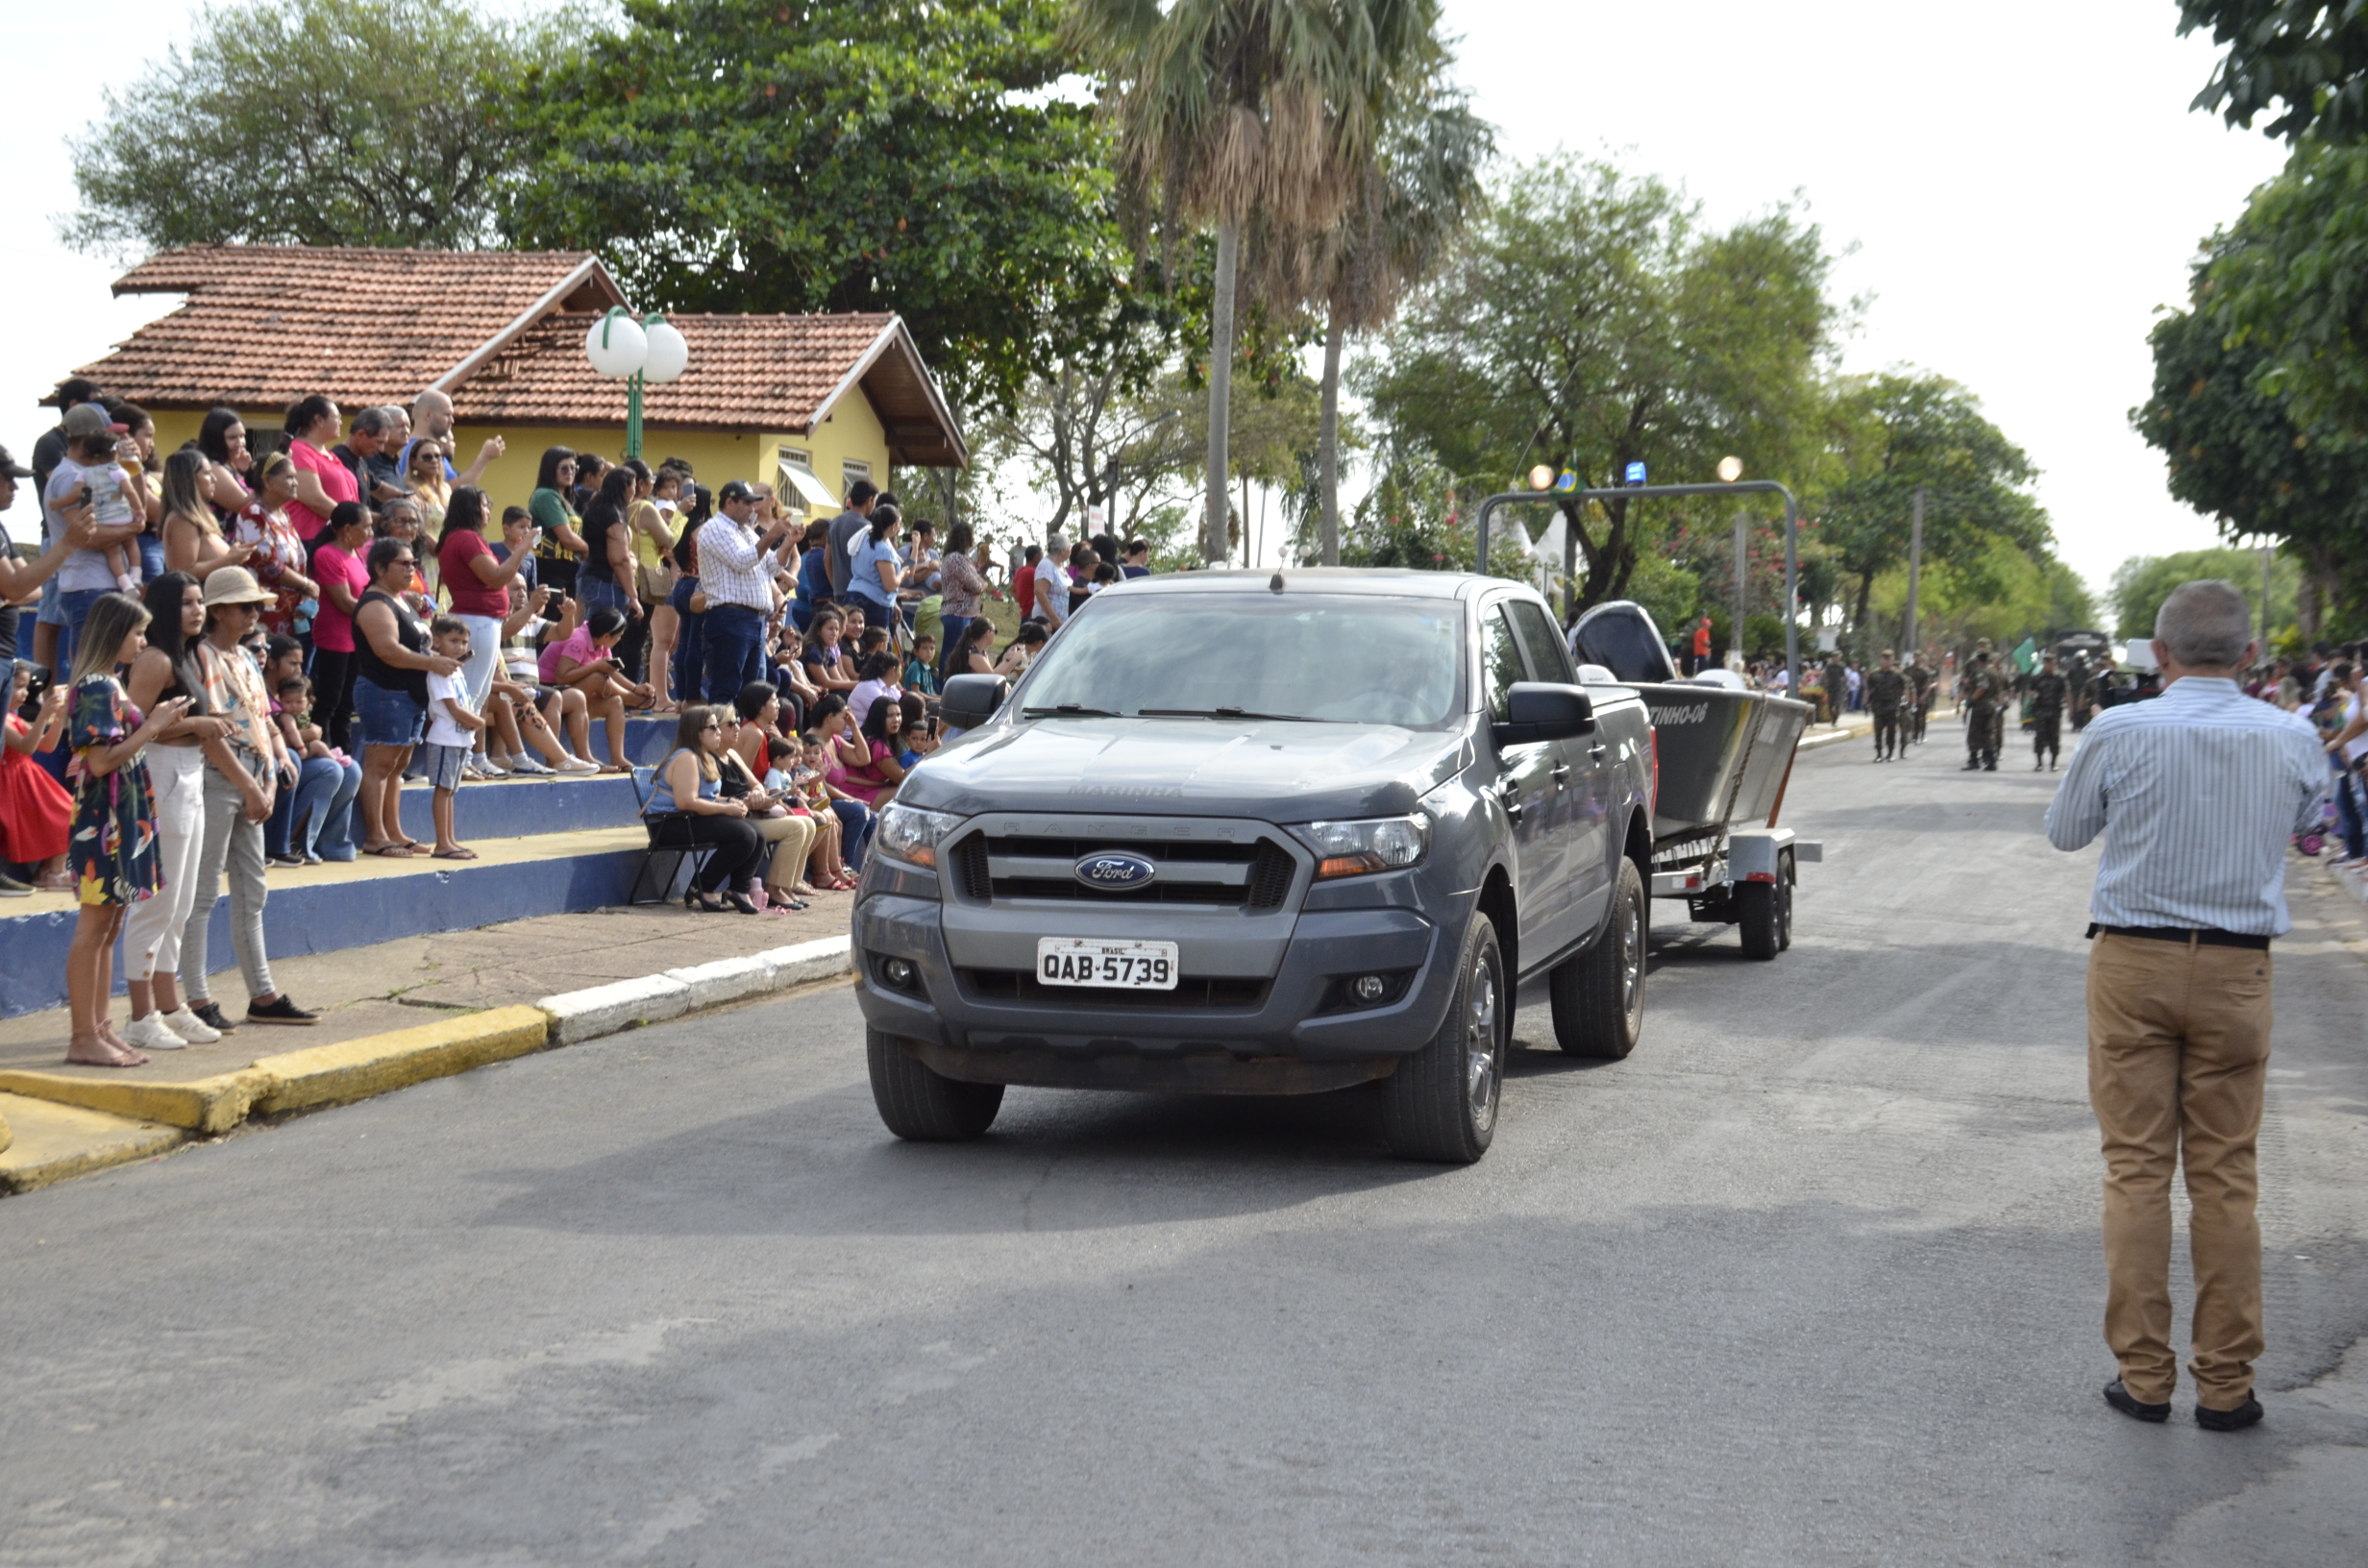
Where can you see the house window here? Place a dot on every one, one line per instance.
(850, 471)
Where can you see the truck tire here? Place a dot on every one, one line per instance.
(1598, 994)
(924, 1106)
(1764, 910)
(1440, 1104)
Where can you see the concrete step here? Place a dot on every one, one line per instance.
(318, 908)
(518, 808)
(647, 739)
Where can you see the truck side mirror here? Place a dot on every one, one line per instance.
(971, 700)
(1537, 710)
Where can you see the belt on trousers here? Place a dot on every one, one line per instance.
(2205, 937)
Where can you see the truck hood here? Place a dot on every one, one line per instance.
(1281, 773)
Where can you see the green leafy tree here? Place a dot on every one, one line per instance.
(2236, 453)
(2306, 59)
(914, 156)
(2142, 583)
(1243, 113)
(2290, 278)
(1911, 431)
(1587, 318)
(314, 122)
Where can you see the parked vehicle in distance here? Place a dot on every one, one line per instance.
(1247, 835)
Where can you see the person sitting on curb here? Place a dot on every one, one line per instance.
(587, 662)
(686, 810)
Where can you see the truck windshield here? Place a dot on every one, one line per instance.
(1345, 660)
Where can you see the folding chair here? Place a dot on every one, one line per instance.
(687, 858)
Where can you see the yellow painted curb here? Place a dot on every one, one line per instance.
(56, 1142)
(206, 1104)
(358, 1068)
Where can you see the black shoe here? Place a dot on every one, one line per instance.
(2137, 1409)
(281, 1009)
(210, 1014)
(2235, 1420)
(1989, 767)
(741, 901)
(1972, 765)
(288, 860)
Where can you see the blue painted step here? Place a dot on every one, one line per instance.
(522, 808)
(646, 739)
(332, 912)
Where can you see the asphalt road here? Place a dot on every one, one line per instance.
(1811, 1279)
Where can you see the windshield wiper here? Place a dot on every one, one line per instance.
(1226, 713)
(1069, 710)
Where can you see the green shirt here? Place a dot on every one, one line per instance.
(550, 510)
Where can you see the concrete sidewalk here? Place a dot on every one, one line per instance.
(415, 980)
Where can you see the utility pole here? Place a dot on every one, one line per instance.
(1743, 567)
(2266, 549)
(1915, 566)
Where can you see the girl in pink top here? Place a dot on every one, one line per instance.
(321, 480)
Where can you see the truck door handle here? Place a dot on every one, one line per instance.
(1508, 797)
(1562, 775)
(1595, 750)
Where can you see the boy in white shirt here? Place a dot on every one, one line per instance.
(453, 727)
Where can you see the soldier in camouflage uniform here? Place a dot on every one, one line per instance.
(1886, 690)
(1835, 679)
(2047, 691)
(1985, 732)
(1920, 683)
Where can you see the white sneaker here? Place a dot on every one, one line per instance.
(488, 768)
(152, 1034)
(530, 766)
(190, 1028)
(578, 765)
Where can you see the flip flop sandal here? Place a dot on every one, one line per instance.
(454, 854)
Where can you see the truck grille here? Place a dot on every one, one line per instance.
(1209, 874)
(1191, 992)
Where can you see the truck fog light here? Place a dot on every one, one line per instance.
(899, 973)
(1368, 989)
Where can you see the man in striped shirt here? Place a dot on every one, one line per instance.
(2196, 794)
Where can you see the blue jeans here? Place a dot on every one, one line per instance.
(385, 718)
(735, 650)
(150, 558)
(324, 799)
(75, 606)
(954, 626)
(856, 822)
(596, 594)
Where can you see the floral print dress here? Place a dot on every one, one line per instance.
(112, 846)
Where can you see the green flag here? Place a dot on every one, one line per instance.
(2026, 655)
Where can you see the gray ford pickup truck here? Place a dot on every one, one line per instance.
(1241, 834)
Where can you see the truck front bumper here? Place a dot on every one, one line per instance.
(1294, 1032)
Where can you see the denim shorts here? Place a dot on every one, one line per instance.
(52, 612)
(596, 594)
(681, 599)
(385, 718)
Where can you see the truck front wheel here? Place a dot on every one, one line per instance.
(924, 1106)
(1598, 995)
(1441, 1103)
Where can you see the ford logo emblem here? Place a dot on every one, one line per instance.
(1115, 868)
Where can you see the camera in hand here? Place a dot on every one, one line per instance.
(555, 610)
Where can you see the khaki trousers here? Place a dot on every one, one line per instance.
(791, 837)
(2178, 1056)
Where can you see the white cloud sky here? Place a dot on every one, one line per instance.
(2023, 181)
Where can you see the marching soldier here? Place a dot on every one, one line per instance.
(1835, 680)
(1920, 684)
(1885, 688)
(1983, 731)
(2047, 691)
(2078, 680)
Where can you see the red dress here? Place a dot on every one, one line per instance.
(35, 808)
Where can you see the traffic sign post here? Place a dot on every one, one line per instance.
(1570, 543)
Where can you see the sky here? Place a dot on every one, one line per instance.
(2022, 183)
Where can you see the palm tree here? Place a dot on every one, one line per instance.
(1241, 112)
(1409, 206)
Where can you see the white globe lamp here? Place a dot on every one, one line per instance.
(668, 356)
(616, 345)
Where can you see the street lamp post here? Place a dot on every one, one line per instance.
(645, 354)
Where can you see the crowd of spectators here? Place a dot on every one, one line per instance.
(241, 650)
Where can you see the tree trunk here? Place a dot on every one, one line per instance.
(1213, 547)
(1857, 624)
(1328, 444)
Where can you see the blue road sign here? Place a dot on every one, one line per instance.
(1635, 472)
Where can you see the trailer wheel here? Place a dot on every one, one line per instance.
(1765, 912)
(1598, 995)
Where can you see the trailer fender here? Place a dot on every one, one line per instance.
(1756, 854)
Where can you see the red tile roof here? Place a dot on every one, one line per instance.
(266, 325)
(503, 332)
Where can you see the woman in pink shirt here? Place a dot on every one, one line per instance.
(338, 570)
(321, 480)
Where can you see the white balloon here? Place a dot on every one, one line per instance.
(669, 354)
(616, 346)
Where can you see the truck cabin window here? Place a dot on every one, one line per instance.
(1342, 660)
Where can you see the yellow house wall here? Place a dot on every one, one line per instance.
(853, 430)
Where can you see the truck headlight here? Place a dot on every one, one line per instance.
(1377, 843)
(911, 834)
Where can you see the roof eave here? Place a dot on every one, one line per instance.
(584, 271)
(895, 334)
